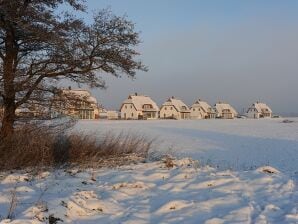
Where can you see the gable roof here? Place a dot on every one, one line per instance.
(203, 104)
(81, 93)
(260, 107)
(139, 101)
(178, 104)
(224, 106)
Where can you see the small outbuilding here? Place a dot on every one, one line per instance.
(112, 115)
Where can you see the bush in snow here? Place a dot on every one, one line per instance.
(32, 146)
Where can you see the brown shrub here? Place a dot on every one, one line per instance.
(31, 146)
(168, 161)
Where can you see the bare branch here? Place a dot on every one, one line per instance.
(39, 47)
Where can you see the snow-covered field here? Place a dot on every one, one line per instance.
(239, 144)
(152, 193)
(253, 178)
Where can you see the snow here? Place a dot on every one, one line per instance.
(239, 144)
(152, 193)
(82, 93)
(220, 107)
(177, 103)
(227, 171)
(202, 104)
(139, 101)
(261, 107)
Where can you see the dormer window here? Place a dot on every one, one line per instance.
(147, 106)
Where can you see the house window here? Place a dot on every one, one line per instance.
(165, 108)
(194, 109)
(130, 106)
(171, 108)
(86, 114)
(147, 106)
(132, 114)
(125, 107)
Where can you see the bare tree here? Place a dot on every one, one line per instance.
(39, 47)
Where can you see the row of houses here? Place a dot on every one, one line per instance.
(79, 103)
(143, 107)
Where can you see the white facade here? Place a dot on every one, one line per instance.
(174, 109)
(112, 115)
(139, 107)
(78, 103)
(202, 110)
(225, 111)
(259, 110)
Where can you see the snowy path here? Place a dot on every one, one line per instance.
(152, 193)
(240, 144)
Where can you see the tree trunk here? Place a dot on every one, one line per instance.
(8, 120)
(9, 88)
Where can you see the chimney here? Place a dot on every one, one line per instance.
(69, 87)
(136, 94)
(173, 97)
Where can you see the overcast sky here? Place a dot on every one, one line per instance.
(233, 51)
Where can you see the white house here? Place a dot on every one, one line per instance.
(78, 103)
(225, 111)
(174, 109)
(202, 110)
(259, 110)
(139, 107)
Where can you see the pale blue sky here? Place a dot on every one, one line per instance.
(229, 50)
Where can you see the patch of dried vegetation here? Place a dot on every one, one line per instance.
(32, 146)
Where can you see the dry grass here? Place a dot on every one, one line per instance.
(31, 147)
(169, 162)
(12, 204)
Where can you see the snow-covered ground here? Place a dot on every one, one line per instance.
(253, 178)
(152, 193)
(239, 144)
